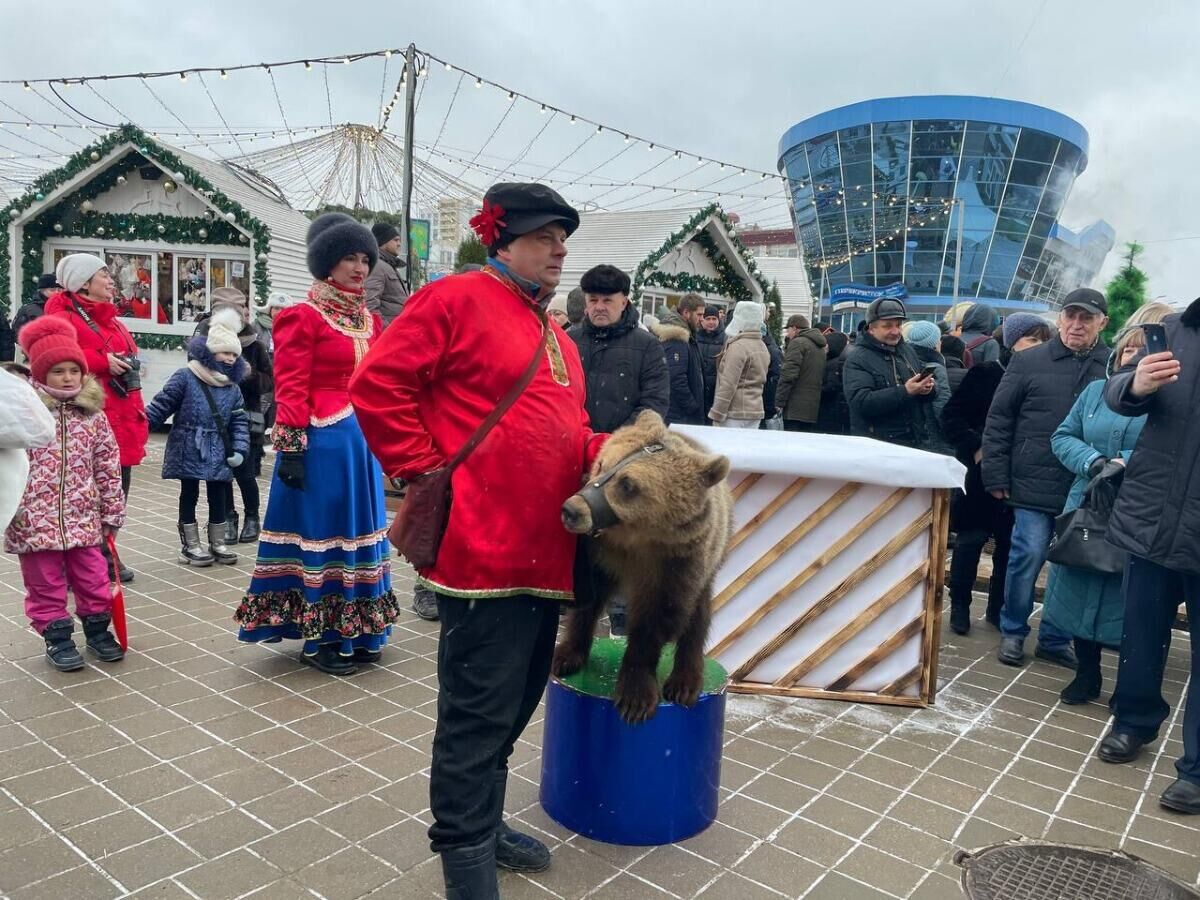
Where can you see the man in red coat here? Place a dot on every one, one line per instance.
(506, 560)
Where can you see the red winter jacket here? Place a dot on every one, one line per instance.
(422, 390)
(126, 415)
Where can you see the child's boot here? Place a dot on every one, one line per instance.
(192, 551)
(99, 639)
(60, 649)
(232, 525)
(216, 545)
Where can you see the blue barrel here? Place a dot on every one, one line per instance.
(642, 785)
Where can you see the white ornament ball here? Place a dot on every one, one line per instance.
(245, 238)
(230, 217)
(170, 186)
(162, 229)
(87, 206)
(262, 258)
(12, 213)
(94, 156)
(58, 227)
(203, 232)
(121, 179)
(178, 176)
(100, 231)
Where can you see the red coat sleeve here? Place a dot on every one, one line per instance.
(93, 353)
(294, 347)
(385, 388)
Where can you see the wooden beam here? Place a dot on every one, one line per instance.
(831, 553)
(938, 535)
(855, 626)
(903, 683)
(752, 687)
(767, 511)
(785, 543)
(745, 484)
(879, 654)
(855, 578)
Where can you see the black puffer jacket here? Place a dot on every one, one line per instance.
(1157, 516)
(712, 345)
(625, 370)
(1037, 391)
(963, 421)
(880, 407)
(834, 417)
(686, 370)
(774, 370)
(977, 327)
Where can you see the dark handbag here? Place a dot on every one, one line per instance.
(421, 521)
(1080, 536)
(226, 441)
(258, 425)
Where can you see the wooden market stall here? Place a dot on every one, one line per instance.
(833, 584)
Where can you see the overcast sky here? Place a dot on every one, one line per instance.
(721, 79)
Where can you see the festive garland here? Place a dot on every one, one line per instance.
(131, 226)
(729, 284)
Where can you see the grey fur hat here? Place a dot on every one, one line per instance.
(333, 236)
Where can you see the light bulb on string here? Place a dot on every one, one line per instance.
(27, 87)
(387, 54)
(543, 109)
(512, 95)
(572, 120)
(346, 61)
(183, 76)
(448, 67)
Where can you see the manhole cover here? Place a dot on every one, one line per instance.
(1021, 870)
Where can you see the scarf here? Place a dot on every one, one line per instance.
(207, 375)
(59, 394)
(342, 306)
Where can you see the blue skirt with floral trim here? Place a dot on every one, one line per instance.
(323, 574)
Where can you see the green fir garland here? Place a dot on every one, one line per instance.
(131, 226)
(728, 285)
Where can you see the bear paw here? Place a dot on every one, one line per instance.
(567, 660)
(683, 687)
(636, 698)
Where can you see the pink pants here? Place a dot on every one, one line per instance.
(47, 575)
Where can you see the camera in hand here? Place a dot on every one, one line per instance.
(130, 380)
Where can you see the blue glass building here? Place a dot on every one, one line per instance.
(878, 188)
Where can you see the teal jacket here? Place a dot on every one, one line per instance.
(1087, 604)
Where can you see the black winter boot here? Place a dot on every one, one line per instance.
(515, 851)
(191, 550)
(1088, 680)
(232, 524)
(216, 544)
(960, 608)
(250, 530)
(470, 872)
(329, 661)
(60, 649)
(99, 639)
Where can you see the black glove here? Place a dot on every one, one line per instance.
(1095, 468)
(291, 469)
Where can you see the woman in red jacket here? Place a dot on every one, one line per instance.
(111, 354)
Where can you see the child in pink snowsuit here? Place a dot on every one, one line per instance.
(72, 502)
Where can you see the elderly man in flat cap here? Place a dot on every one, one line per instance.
(505, 561)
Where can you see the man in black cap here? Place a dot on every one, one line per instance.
(47, 286)
(710, 338)
(505, 561)
(889, 397)
(1037, 391)
(385, 290)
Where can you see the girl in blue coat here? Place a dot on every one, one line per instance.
(210, 435)
(1082, 603)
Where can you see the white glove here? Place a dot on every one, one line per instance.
(234, 461)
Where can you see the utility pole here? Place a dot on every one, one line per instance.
(962, 214)
(410, 93)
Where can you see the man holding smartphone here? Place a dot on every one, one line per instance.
(890, 397)
(1157, 519)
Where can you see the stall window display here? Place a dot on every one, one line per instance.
(192, 287)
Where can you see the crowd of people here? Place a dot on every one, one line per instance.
(363, 381)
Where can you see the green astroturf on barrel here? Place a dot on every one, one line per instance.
(599, 677)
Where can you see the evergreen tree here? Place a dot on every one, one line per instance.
(1125, 293)
(775, 312)
(471, 250)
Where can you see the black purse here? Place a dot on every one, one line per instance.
(1080, 536)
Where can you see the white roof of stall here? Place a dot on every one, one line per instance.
(789, 273)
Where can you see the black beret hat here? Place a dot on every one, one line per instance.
(333, 236)
(525, 208)
(47, 281)
(384, 232)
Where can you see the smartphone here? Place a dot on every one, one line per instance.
(929, 370)
(1156, 338)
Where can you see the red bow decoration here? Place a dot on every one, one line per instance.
(488, 222)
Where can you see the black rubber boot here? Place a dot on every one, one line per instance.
(1088, 680)
(329, 661)
(251, 529)
(60, 649)
(216, 544)
(960, 608)
(99, 639)
(470, 872)
(232, 524)
(515, 851)
(191, 550)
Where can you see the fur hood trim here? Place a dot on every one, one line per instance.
(198, 350)
(1191, 315)
(665, 332)
(90, 398)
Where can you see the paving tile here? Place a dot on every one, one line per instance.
(221, 833)
(230, 876)
(881, 870)
(35, 861)
(140, 865)
(349, 874)
(836, 886)
(675, 870)
(18, 826)
(298, 846)
(403, 845)
(731, 886)
(78, 806)
(778, 869)
(627, 887)
(840, 816)
(83, 881)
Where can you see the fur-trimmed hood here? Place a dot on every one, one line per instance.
(1191, 315)
(669, 331)
(90, 398)
(236, 372)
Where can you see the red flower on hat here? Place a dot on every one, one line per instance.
(488, 222)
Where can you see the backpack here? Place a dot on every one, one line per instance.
(968, 358)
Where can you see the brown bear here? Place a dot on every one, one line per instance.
(660, 516)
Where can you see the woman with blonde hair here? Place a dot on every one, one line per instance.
(1093, 440)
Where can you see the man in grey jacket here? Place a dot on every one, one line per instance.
(384, 288)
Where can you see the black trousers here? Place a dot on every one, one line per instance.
(189, 496)
(494, 658)
(1152, 596)
(798, 425)
(964, 565)
(245, 476)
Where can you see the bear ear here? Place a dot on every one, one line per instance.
(649, 420)
(714, 469)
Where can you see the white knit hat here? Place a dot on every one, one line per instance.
(222, 332)
(76, 270)
(747, 316)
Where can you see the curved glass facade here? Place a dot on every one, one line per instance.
(878, 190)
